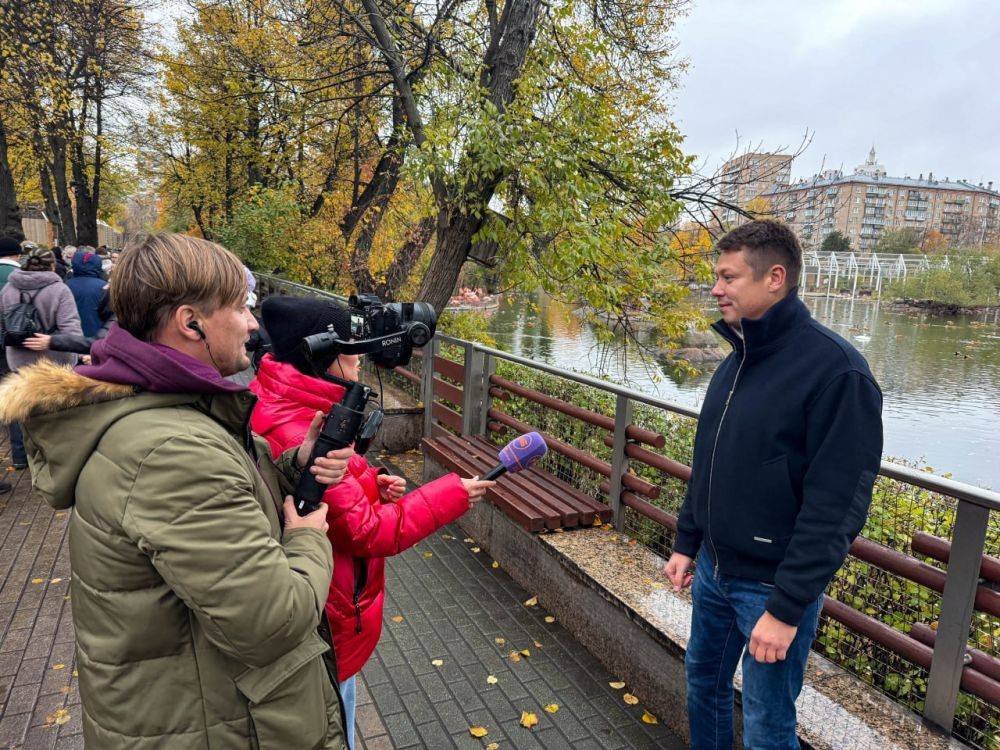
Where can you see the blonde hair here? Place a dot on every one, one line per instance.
(169, 270)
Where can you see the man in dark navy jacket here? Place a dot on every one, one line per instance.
(787, 450)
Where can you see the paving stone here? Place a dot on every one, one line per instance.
(13, 727)
(41, 738)
(74, 742)
(402, 730)
(368, 722)
(22, 699)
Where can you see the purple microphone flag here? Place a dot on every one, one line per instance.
(519, 454)
(523, 451)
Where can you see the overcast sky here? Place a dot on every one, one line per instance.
(919, 79)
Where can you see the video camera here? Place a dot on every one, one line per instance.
(387, 333)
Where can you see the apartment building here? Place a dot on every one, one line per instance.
(749, 175)
(868, 202)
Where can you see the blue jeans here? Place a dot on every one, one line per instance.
(726, 609)
(17, 454)
(349, 693)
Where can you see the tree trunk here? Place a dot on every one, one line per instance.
(57, 145)
(385, 178)
(454, 238)
(406, 258)
(503, 62)
(228, 174)
(199, 219)
(86, 209)
(51, 209)
(10, 211)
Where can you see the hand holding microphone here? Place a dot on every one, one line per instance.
(518, 454)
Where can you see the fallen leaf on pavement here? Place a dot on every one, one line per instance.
(617, 685)
(478, 731)
(630, 699)
(648, 718)
(397, 618)
(552, 708)
(437, 662)
(59, 717)
(491, 680)
(528, 719)
(531, 602)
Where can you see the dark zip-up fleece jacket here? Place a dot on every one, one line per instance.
(788, 446)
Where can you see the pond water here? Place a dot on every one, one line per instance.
(940, 375)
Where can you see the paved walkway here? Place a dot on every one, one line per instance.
(445, 602)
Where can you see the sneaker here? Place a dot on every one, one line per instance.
(5, 487)
(20, 465)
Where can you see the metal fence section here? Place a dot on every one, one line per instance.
(890, 592)
(834, 273)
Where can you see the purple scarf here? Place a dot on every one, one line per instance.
(122, 358)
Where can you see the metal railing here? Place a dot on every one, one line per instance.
(960, 588)
(949, 660)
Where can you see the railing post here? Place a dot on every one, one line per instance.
(489, 368)
(427, 395)
(472, 390)
(957, 604)
(619, 462)
(427, 384)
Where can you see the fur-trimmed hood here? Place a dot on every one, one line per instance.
(65, 415)
(45, 387)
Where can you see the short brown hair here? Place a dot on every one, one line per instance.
(767, 243)
(167, 271)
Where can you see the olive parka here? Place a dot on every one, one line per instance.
(199, 622)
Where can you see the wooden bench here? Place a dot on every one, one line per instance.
(535, 499)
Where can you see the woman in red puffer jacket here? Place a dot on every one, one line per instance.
(369, 516)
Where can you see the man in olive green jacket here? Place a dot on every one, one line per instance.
(198, 596)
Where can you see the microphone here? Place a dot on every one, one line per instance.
(520, 453)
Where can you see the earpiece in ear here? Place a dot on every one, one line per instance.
(193, 325)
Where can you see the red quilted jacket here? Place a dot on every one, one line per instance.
(363, 529)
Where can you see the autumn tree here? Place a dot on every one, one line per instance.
(896, 241)
(836, 242)
(68, 66)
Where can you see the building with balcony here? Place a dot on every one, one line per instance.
(748, 176)
(866, 204)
